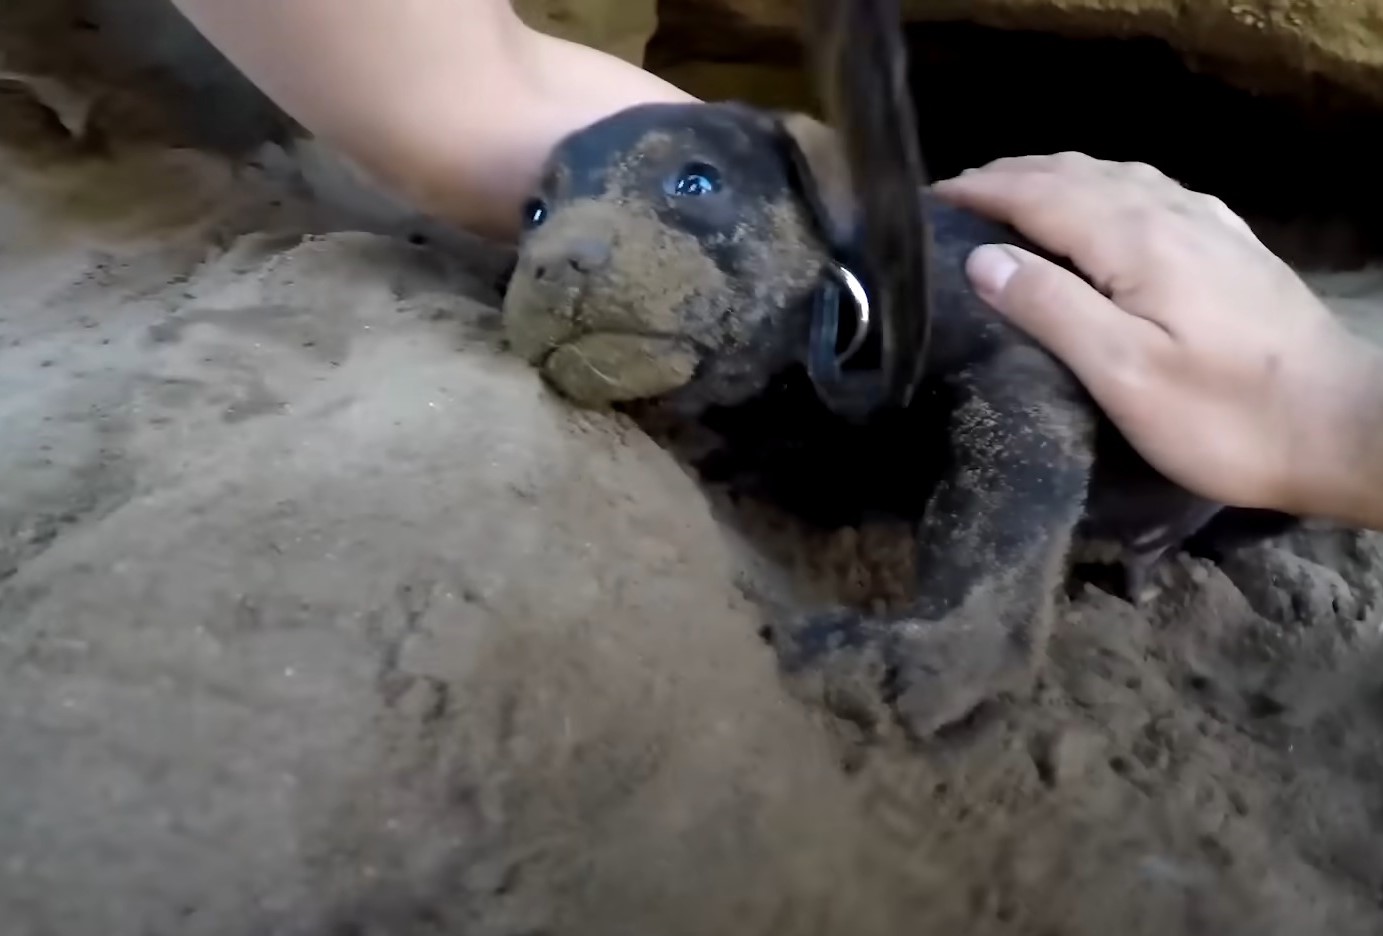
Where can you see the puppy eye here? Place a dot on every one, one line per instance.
(695, 180)
(534, 213)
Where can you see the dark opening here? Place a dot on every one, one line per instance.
(1302, 168)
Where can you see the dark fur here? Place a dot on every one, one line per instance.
(1002, 458)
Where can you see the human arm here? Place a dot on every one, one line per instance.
(1211, 355)
(454, 104)
(1343, 478)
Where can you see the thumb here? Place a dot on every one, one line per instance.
(1062, 312)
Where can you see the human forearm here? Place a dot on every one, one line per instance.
(453, 103)
(1341, 474)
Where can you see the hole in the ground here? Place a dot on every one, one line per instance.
(1303, 169)
(1301, 166)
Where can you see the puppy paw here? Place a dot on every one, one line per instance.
(943, 672)
(837, 658)
(926, 676)
(811, 640)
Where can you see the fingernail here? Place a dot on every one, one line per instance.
(990, 267)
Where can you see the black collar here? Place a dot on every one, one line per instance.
(860, 391)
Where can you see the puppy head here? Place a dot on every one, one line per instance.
(672, 250)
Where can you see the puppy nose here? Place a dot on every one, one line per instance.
(577, 257)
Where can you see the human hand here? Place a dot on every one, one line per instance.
(1216, 361)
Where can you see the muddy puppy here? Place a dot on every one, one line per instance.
(674, 253)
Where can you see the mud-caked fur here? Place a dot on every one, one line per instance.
(682, 245)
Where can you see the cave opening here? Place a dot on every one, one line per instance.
(1300, 164)
(1299, 159)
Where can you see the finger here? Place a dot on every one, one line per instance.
(1196, 203)
(1229, 216)
(1080, 216)
(1068, 161)
(1141, 172)
(1121, 181)
(1102, 344)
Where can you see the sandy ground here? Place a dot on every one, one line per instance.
(319, 615)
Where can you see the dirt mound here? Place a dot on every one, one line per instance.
(319, 609)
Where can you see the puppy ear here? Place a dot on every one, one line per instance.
(822, 176)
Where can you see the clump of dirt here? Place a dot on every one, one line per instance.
(320, 615)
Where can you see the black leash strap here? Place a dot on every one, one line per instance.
(858, 54)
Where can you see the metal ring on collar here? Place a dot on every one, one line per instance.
(861, 302)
